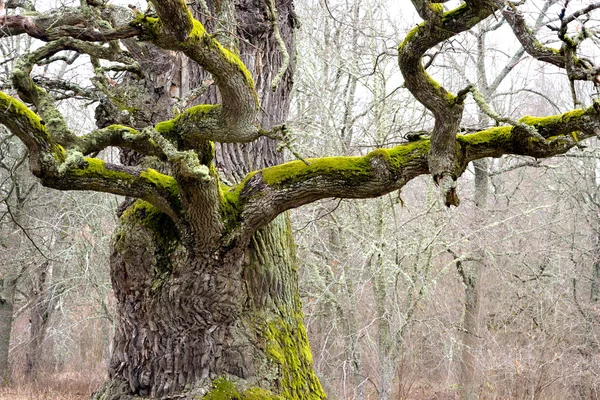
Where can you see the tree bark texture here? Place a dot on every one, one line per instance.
(472, 302)
(186, 319)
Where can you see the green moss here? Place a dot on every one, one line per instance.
(344, 167)
(411, 36)
(540, 122)
(162, 181)
(206, 153)
(437, 8)
(452, 16)
(501, 135)
(93, 167)
(148, 215)
(166, 126)
(223, 390)
(428, 79)
(194, 113)
(399, 156)
(116, 127)
(235, 60)
(226, 390)
(151, 27)
(199, 34)
(198, 30)
(259, 394)
(288, 349)
(231, 206)
(164, 234)
(12, 106)
(61, 154)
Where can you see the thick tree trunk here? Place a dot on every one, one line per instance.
(187, 319)
(227, 319)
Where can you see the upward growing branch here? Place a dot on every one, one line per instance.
(447, 109)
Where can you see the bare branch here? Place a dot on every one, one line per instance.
(65, 22)
(577, 69)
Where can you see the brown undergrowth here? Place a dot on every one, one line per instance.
(71, 385)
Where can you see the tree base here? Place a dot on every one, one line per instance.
(219, 389)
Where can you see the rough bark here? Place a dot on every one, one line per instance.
(471, 274)
(386, 348)
(447, 108)
(187, 319)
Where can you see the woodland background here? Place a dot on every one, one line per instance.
(385, 282)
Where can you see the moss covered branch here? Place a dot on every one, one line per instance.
(175, 29)
(45, 104)
(439, 26)
(268, 192)
(235, 119)
(118, 136)
(74, 22)
(566, 58)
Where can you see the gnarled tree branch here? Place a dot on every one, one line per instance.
(268, 192)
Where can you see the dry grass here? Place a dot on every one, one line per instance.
(71, 386)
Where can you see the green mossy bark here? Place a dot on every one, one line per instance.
(343, 167)
(162, 181)
(226, 390)
(272, 277)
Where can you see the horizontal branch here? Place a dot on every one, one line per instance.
(266, 193)
(66, 22)
(118, 136)
(76, 172)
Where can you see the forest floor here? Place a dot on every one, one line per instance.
(27, 393)
(73, 386)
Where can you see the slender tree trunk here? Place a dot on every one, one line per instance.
(386, 348)
(39, 316)
(7, 295)
(472, 270)
(347, 313)
(595, 286)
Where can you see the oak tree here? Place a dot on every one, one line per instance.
(196, 95)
